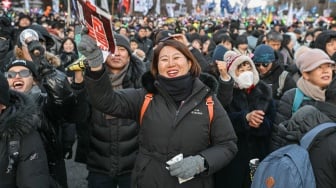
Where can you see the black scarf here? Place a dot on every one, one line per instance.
(179, 88)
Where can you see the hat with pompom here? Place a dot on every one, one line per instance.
(233, 60)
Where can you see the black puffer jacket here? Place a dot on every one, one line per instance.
(272, 78)
(322, 152)
(114, 141)
(18, 123)
(168, 130)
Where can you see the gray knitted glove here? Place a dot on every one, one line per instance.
(188, 167)
(88, 47)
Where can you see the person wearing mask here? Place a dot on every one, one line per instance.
(113, 142)
(22, 163)
(251, 112)
(177, 108)
(270, 71)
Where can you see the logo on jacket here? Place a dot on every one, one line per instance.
(197, 112)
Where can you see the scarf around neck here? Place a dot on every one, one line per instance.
(178, 88)
(311, 90)
(117, 79)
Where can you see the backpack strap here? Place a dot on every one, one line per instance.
(298, 98)
(307, 139)
(148, 99)
(282, 79)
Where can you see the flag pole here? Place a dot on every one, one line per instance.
(112, 9)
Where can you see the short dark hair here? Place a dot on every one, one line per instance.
(274, 36)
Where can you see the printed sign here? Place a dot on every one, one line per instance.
(99, 24)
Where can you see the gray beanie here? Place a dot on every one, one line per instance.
(123, 41)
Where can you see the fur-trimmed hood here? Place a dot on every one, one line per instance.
(20, 118)
(209, 80)
(51, 58)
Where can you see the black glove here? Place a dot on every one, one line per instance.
(88, 47)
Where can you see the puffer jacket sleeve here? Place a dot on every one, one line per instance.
(225, 91)
(223, 141)
(123, 103)
(284, 107)
(32, 170)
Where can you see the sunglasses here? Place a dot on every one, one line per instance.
(22, 74)
(262, 64)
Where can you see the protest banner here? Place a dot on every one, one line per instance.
(98, 22)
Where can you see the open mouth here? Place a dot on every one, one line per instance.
(18, 85)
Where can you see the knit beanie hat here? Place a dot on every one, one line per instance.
(4, 91)
(218, 53)
(233, 60)
(123, 41)
(263, 54)
(20, 62)
(311, 59)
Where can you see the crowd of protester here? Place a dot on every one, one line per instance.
(251, 71)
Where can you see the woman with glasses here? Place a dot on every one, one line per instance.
(271, 72)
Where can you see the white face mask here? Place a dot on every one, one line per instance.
(245, 80)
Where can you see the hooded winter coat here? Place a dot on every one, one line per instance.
(168, 130)
(252, 142)
(322, 152)
(18, 123)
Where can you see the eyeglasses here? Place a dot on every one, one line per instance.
(23, 74)
(262, 64)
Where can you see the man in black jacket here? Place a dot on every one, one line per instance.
(114, 141)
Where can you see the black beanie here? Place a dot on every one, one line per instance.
(20, 62)
(123, 41)
(4, 92)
